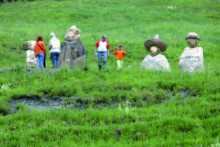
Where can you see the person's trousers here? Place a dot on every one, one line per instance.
(45, 57)
(40, 60)
(102, 58)
(119, 64)
(55, 58)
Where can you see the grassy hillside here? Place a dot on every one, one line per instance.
(152, 108)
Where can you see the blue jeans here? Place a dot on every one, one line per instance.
(55, 58)
(102, 57)
(40, 60)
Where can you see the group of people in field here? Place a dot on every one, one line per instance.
(41, 53)
(191, 59)
(101, 50)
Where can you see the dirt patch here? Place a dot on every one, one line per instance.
(184, 92)
(104, 103)
(7, 69)
(34, 103)
(45, 103)
(76, 103)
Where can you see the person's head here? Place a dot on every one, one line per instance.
(40, 38)
(52, 35)
(154, 50)
(104, 37)
(120, 47)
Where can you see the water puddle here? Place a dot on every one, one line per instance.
(59, 103)
(39, 104)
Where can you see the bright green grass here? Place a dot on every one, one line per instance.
(166, 118)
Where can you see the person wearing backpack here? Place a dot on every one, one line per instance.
(40, 52)
(54, 47)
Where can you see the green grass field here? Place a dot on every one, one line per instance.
(154, 108)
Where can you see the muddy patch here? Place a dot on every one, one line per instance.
(76, 103)
(39, 104)
(99, 104)
(7, 69)
(184, 92)
(45, 103)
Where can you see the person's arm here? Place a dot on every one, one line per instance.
(108, 48)
(108, 52)
(125, 53)
(50, 46)
(96, 46)
(115, 52)
(44, 48)
(95, 51)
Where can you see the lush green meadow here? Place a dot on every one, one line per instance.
(153, 108)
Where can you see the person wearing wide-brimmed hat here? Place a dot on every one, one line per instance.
(155, 61)
(191, 59)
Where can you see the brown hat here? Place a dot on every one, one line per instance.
(192, 35)
(155, 42)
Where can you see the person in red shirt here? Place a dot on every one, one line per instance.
(120, 55)
(103, 51)
(40, 52)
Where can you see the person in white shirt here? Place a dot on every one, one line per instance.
(54, 47)
(103, 51)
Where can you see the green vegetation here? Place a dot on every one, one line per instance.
(153, 108)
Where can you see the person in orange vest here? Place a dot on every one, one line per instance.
(40, 52)
(120, 55)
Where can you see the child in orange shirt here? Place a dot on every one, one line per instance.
(120, 54)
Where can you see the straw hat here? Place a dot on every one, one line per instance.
(155, 42)
(192, 35)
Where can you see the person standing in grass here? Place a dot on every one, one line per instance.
(120, 55)
(54, 47)
(40, 52)
(103, 51)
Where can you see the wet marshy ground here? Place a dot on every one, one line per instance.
(36, 104)
(45, 103)
(50, 103)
